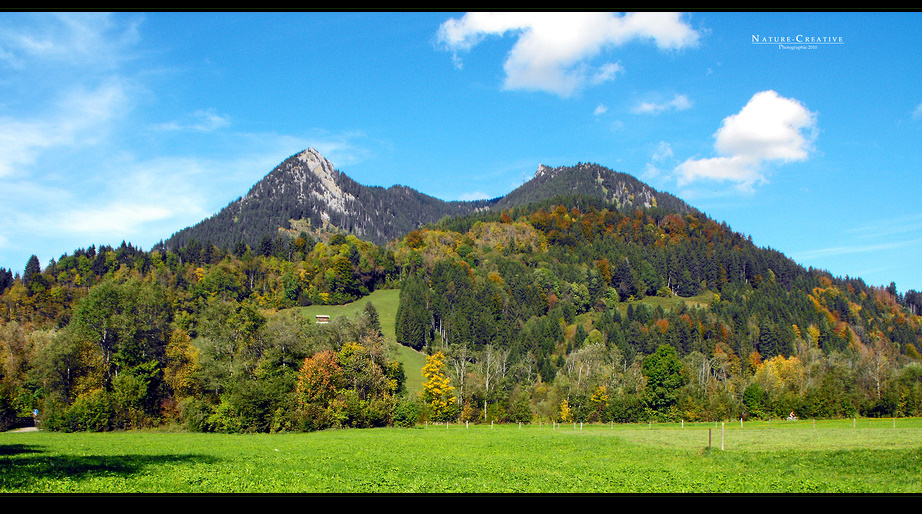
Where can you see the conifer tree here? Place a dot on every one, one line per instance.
(33, 267)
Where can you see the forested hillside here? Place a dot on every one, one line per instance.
(111, 338)
(564, 302)
(616, 307)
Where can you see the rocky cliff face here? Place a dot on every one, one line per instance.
(307, 178)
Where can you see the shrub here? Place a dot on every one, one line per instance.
(406, 413)
(8, 414)
(91, 411)
(194, 414)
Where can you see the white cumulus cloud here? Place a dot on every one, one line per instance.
(769, 129)
(553, 50)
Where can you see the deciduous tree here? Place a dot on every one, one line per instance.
(438, 391)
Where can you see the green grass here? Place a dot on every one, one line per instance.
(702, 300)
(384, 300)
(830, 457)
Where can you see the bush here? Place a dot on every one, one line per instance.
(520, 409)
(628, 408)
(127, 396)
(91, 411)
(406, 413)
(377, 412)
(194, 414)
(754, 399)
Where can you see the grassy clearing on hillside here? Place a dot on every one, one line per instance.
(385, 302)
(702, 300)
(798, 457)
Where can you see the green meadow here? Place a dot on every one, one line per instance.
(844, 456)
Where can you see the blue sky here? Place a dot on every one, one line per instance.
(801, 130)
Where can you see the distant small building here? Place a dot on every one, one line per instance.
(323, 318)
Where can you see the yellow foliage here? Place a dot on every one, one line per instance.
(565, 414)
(780, 373)
(437, 388)
(182, 365)
(600, 396)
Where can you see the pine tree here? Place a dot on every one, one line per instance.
(33, 267)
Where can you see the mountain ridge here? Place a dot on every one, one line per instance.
(306, 186)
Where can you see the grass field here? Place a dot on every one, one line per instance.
(873, 456)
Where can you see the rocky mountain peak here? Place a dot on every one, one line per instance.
(317, 164)
(543, 171)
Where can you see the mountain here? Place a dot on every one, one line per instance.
(620, 190)
(307, 189)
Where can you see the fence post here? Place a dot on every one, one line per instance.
(721, 437)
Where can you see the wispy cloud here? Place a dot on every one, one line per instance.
(553, 51)
(810, 255)
(202, 120)
(882, 246)
(69, 39)
(678, 103)
(81, 117)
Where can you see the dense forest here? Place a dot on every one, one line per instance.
(576, 309)
(562, 303)
(111, 338)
